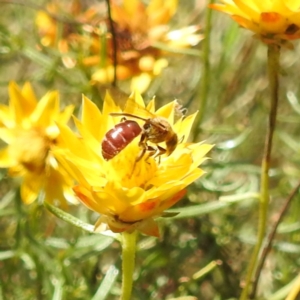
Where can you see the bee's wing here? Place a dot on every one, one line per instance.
(137, 108)
(118, 95)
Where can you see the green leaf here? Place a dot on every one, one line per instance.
(209, 207)
(106, 283)
(58, 289)
(283, 292)
(233, 143)
(198, 210)
(76, 222)
(7, 254)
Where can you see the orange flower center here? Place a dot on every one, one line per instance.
(270, 17)
(272, 22)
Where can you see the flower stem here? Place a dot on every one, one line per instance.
(271, 237)
(273, 70)
(114, 41)
(128, 259)
(204, 88)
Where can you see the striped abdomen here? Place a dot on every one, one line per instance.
(119, 137)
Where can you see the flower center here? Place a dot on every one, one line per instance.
(30, 149)
(125, 169)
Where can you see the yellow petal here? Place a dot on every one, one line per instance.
(200, 150)
(20, 106)
(78, 168)
(29, 94)
(246, 23)
(138, 99)
(167, 111)
(6, 118)
(92, 118)
(129, 197)
(140, 211)
(249, 8)
(92, 143)
(184, 126)
(65, 115)
(109, 106)
(131, 6)
(151, 105)
(67, 139)
(6, 160)
(30, 188)
(7, 135)
(171, 171)
(160, 11)
(57, 187)
(172, 200)
(47, 108)
(100, 201)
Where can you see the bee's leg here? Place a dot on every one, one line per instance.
(160, 151)
(145, 147)
(141, 154)
(139, 157)
(151, 151)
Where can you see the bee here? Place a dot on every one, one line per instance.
(119, 137)
(155, 130)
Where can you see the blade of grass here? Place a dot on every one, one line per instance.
(106, 284)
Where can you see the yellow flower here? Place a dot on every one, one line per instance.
(63, 34)
(127, 192)
(137, 28)
(30, 131)
(274, 21)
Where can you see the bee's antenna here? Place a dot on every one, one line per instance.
(127, 115)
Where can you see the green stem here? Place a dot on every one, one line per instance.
(204, 89)
(128, 260)
(273, 68)
(114, 41)
(271, 237)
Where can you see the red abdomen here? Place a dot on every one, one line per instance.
(119, 137)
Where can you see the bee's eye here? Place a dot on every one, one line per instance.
(147, 126)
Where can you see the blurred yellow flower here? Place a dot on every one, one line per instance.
(127, 192)
(29, 129)
(274, 21)
(138, 28)
(63, 33)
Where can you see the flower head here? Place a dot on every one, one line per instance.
(274, 21)
(129, 189)
(64, 34)
(137, 27)
(30, 131)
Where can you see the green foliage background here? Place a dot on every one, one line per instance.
(43, 257)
